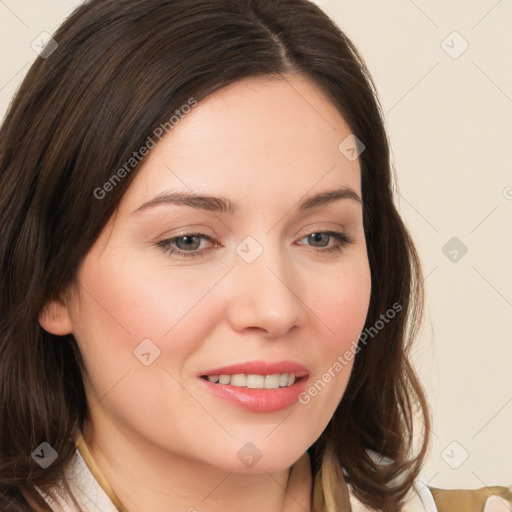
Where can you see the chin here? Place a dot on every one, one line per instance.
(263, 459)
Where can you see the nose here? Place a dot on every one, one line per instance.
(266, 296)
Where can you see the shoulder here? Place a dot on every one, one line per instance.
(472, 500)
(419, 499)
(423, 498)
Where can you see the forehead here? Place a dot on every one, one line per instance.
(253, 137)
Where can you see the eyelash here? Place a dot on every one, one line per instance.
(165, 245)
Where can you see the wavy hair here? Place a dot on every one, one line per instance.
(121, 69)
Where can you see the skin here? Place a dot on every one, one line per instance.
(163, 441)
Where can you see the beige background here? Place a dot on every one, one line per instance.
(449, 117)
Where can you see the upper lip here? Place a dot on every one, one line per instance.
(260, 368)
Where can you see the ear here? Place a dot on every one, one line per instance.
(55, 318)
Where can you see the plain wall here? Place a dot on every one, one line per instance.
(448, 114)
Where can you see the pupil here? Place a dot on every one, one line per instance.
(189, 242)
(317, 237)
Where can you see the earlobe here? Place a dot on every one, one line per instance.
(55, 318)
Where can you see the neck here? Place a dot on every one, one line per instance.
(145, 477)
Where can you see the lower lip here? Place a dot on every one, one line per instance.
(259, 400)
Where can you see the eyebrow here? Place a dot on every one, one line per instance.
(225, 205)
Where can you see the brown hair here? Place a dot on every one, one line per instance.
(121, 69)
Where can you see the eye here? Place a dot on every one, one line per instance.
(321, 241)
(192, 244)
(187, 245)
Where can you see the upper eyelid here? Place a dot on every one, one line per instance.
(307, 230)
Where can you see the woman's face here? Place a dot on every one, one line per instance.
(172, 292)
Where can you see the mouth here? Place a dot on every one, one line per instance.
(257, 386)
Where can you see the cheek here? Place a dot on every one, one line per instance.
(342, 305)
(123, 304)
(131, 302)
(121, 307)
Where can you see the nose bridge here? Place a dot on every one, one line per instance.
(266, 288)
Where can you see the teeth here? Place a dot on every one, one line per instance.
(239, 380)
(272, 381)
(279, 380)
(256, 381)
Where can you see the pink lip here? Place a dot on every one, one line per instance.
(259, 400)
(260, 368)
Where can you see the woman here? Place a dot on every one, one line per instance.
(208, 294)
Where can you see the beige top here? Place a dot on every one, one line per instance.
(94, 494)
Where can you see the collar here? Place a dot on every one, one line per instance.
(97, 474)
(298, 488)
